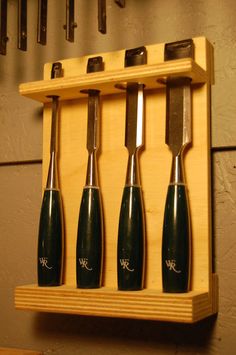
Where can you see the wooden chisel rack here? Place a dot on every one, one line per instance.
(150, 303)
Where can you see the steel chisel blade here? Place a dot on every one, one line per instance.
(22, 25)
(70, 24)
(102, 26)
(42, 22)
(134, 117)
(3, 27)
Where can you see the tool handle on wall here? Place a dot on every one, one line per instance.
(50, 240)
(176, 240)
(89, 253)
(130, 240)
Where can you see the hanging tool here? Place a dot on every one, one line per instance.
(51, 227)
(70, 20)
(42, 22)
(102, 26)
(120, 3)
(89, 253)
(3, 27)
(131, 234)
(176, 243)
(22, 25)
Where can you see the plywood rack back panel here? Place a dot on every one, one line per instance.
(155, 160)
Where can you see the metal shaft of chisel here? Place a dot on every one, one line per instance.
(70, 21)
(178, 128)
(3, 27)
(93, 136)
(52, 180)
(102, 26)
(42, 21)
(22, 25)
(178, 121)
(120, 3)
(134, 130)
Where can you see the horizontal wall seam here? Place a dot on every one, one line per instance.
(21, 162)
(223, 149)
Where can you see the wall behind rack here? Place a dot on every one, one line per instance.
(139, 23)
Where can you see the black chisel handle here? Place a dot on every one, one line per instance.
(130, 258)
(176, 246)
(50, 240)
(89, 252)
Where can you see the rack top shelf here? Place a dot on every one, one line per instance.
(151, 75)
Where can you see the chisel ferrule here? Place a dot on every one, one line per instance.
(52, 179)
(132, 175)
(92, 172)
(177, 170)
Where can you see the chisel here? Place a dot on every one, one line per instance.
(70, 22)
(131, 233)
(42, 22)
(176, 242)
(22, 25)
(51, 226)
(89, 252)
(3, 27)
(102, 26)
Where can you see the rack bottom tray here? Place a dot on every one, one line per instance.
(106, 302)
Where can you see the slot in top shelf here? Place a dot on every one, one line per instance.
(150, 75)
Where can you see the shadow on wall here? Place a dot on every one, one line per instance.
(97, 331)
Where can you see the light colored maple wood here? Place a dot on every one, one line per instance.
(150, 75)
(74, 77)
(155, 163)
(146, 304)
